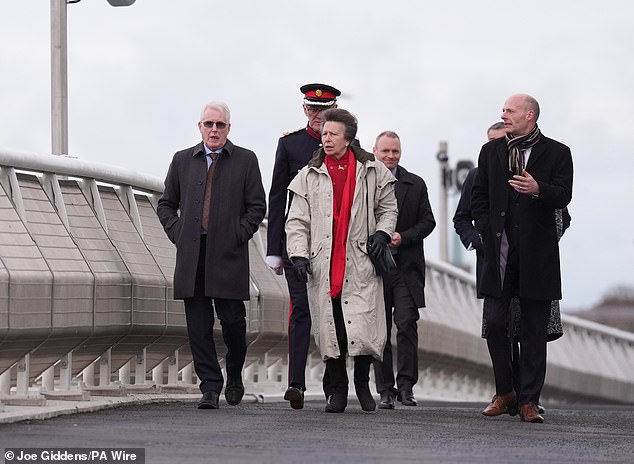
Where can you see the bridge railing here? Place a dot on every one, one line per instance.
(591, 362)
(86, 294)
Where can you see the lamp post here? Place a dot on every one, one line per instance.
(59, 79)
(443, 158)
(59, 73)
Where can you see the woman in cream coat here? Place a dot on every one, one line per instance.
(340, 198)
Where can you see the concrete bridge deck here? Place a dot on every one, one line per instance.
(271, 432)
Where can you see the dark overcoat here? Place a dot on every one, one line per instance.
(294, 151)
(415, 222)
(550, 163)
(463, 223)
(238, 205)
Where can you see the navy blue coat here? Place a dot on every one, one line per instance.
(294, 151)
(463, 223)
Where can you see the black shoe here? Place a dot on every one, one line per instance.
(337, 403)
(387, 400)
(234, 391)
(296, 397)
(365, 396)
(406, 397)
(209, 400)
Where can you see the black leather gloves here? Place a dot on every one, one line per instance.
(301, 266)
(376, 243)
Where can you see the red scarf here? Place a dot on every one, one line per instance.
(341, 221)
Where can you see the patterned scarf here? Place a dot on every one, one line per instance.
(516, 145)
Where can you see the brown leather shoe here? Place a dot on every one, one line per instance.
(529, 413)
(501, 404)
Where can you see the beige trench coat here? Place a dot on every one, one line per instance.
(309, 235)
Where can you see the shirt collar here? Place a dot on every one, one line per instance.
(203, 149)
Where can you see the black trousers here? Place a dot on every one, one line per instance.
(336, 373)
(298, 328)
(405, 315)
(532, 353)
(199, 312)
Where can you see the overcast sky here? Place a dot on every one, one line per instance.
(431, 71)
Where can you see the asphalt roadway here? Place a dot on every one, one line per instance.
(271, 432)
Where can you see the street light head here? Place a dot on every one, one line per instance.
(121, 2)
(442, 155)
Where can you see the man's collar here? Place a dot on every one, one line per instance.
(313, 133)
(204, 149)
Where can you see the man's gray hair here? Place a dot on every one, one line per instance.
(218, 106)
(496, 126)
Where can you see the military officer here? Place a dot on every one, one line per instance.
(294, 150)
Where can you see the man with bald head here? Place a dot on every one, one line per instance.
(522, 179)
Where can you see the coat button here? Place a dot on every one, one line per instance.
(352, 342)
(346, 302)
(503, 213)
(195, 219)
(498, 234)
(349, 322)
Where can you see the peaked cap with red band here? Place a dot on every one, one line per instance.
(319, 94)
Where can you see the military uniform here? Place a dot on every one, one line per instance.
(294, 150)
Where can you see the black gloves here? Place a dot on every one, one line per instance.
(377, 242)
(301, 266)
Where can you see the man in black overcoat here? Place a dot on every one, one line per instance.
(212, 204)
(463, 218)
(403, 288)
(522, 179)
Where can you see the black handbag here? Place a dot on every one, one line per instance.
(384, 262)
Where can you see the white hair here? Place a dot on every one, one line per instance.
(218, 106)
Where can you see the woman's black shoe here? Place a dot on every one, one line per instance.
(337, 402)
(365, 397)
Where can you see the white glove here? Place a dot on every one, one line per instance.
(276, 263)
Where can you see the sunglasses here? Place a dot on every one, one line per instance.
(210, 124)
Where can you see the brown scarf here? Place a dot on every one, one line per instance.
(516, 147)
